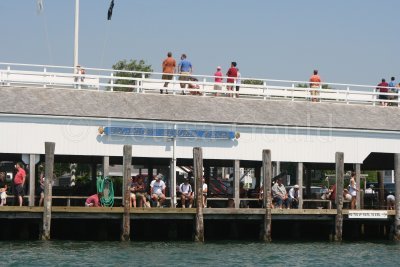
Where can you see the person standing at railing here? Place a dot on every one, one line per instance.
(393, 89)
(168, 69)
(80, 78)
(218, 80)
(185, 69)
(232, 75)
(315, 83)
(383, 88)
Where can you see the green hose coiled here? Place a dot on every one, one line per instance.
(105, 186)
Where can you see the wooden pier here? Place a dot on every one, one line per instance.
(334, 220)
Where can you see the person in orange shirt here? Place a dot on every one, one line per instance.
(315, 82)
(168, 69)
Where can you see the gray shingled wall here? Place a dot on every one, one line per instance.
(86, 103)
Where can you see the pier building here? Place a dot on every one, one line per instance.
(90, 120)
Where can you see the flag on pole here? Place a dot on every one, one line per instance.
(39, 6)
(110, 10)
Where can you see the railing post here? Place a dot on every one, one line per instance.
(112, 82)
(292, 91)
(174, 85)
(398, 97)
(204, 86)
(373, 96)
(141, 83)
(264, 88)
(8, 75)
(45, 77)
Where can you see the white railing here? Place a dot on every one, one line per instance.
(47, 76)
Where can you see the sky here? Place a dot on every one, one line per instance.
(348, 41)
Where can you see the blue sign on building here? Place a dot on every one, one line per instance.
(172, 133)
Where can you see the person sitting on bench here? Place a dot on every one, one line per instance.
(186, 192)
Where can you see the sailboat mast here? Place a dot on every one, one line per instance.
(76, 39)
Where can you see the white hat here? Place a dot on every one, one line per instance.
(296, 186)
(219, 67)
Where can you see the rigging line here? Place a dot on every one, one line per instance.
(47, 39)
(105, 38)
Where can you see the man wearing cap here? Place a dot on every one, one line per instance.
(186, 192)
(218, 80)
(158, 190)
(294, 197)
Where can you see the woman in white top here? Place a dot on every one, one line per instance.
(353, 190)
(205, 189)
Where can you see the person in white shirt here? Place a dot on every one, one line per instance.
(370, 190)
(294, 197)
(186, 192)
(390, 201)
(158, 190)
(205, 190)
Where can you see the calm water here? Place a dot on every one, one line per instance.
(64, 253)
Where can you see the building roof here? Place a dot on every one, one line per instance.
(122, 105)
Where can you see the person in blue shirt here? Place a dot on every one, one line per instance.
(185, 69)
(394, 90)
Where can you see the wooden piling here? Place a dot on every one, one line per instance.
(300, 183)
(126, 218)
(198, 175)
(397, 197)
(49, 148)
(339, 158)
(267, 172)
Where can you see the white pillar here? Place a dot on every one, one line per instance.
(32, 171)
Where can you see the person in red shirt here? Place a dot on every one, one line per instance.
(383, 88)
(93, 200)
(19, 182)
(232, 75)
(218, 80)
(315, 82)
(168, 69)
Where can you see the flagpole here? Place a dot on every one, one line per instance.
(76, 40)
